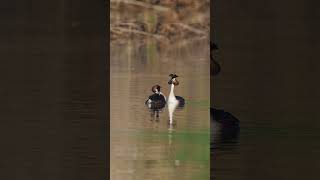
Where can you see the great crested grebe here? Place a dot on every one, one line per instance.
(156, 100)
(172, 99)
(223, 124)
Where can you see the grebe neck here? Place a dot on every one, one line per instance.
(172, 97)
(172, 104)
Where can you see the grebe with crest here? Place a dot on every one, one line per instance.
(172, 99)
(157, 100)
(224, 125)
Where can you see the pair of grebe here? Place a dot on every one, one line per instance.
(225, 120)
(158, 100)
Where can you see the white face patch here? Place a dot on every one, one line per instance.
(174, 80)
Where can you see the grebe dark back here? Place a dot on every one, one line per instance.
(224, 117)
(224, 128)
(156, 100)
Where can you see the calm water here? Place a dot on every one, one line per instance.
(269, 83)
(279, 139)
(144, 146)
(279, 135)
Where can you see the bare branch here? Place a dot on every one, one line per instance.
(143, 5)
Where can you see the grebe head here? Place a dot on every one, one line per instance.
(214, 65)
(213, 46)
(173, 75)
(173, 80)
(156, 89)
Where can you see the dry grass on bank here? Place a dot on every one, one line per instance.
(167, 21)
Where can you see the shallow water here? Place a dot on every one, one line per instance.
(144, 146)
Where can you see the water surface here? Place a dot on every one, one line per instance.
(144, 146)
(268, 80)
